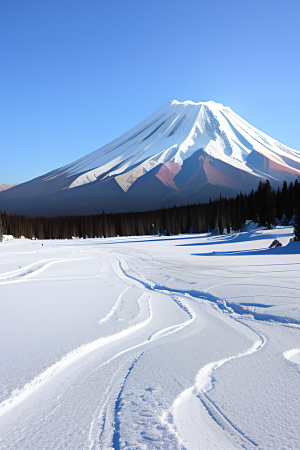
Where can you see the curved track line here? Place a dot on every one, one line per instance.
(157, 335)
(96, 435)
(20, 395)
(114, 308)
(32, 269)
(203, 380)
(193, 403)
(99, 438)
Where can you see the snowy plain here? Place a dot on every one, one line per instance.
(182, 342)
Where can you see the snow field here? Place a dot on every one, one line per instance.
(157, 343)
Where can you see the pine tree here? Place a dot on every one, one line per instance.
(286, 203)
(278, 204)
(220, 224)
(270, 204)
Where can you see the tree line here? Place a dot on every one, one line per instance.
(264, 206)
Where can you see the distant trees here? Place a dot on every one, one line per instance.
(264, 206)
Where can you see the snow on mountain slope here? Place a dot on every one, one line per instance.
(173, 133)
(183, 152)
(4, 187)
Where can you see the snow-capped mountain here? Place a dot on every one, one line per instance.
(184, 152)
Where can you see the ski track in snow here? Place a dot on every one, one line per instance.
(114, 308)
(116, 435)
(95, 442)
(97, 435)
(19, 396)
(31, 270)
(233, 309)
(202, 383)
(182, 410)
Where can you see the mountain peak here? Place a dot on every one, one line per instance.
(190, 102)
(205, 144)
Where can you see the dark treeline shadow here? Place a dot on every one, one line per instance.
(264, 206)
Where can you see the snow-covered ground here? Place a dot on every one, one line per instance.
(182, 342)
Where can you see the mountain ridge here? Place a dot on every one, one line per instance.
(231, 154)
(4, 186)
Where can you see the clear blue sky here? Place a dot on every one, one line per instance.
(75, 74)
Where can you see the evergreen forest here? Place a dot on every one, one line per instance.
(263, 206)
